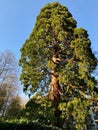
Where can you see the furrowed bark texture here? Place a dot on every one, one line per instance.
(55, 94)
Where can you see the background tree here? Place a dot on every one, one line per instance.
(14, 108)
(8, 80)
(57, 60)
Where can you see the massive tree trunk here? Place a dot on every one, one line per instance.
(55, 94)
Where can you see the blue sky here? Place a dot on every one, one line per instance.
(17, 18)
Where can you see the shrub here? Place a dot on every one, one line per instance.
(15, 125)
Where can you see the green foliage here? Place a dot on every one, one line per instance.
(39, 109)
(75, 113)
(52, 24)
(24, 125)
(55, 34)
(55, 23)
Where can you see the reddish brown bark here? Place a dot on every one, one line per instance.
(55, 89)
(55, 94)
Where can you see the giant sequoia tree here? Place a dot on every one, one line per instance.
(57, 60)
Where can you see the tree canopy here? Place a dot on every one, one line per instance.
(57, 60)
